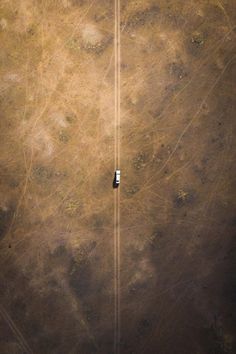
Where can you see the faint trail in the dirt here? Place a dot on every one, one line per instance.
(210, 52)
(29, 166)
(161, 327)
(15, 330)
(117, 191)
(47, 103)
(213, 191)
(81, 126)
(149, 183)
(225, 14)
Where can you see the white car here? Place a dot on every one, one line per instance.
(117, 176)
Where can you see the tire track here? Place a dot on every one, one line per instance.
(24, 345)
(117, 191)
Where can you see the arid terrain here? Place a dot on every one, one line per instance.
(177, 198)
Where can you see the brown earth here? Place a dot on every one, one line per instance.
(177, 195)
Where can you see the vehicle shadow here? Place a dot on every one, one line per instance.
(114, 184)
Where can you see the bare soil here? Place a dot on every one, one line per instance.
(177, 193)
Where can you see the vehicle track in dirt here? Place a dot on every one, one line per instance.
(117, 190)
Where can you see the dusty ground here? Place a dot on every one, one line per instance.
(177, 225)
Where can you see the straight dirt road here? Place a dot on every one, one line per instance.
(117, 50)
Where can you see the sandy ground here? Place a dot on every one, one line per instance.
(177, 196)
